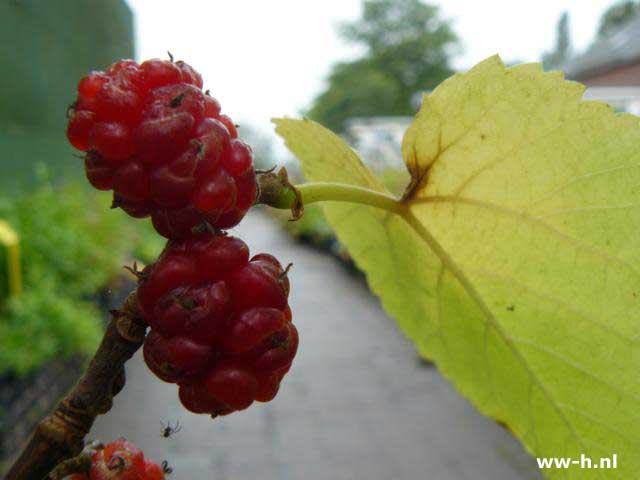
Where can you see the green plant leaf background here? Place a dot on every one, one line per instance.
(524, 284)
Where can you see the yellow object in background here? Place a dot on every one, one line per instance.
(10, 244)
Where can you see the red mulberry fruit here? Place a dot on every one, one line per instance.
(121, 460)
(220, 322)
(163, 147)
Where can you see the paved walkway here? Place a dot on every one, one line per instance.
(356, 405)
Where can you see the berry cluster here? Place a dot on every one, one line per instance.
(121, 460)
(163, 147)
(220, 323)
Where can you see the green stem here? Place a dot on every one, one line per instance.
(277, 192)
(337, 192)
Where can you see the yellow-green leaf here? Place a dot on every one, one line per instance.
(517, 264)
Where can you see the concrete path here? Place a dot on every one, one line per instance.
(356, 405)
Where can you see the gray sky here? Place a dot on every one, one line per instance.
(269, 58)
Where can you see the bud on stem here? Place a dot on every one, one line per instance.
(276, 191)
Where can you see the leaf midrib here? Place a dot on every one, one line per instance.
(466, 284)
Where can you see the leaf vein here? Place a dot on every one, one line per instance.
(449, 263)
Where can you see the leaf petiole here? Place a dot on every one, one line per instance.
(276, 191)
(337, 192)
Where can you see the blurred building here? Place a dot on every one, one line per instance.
(610, 68)
(378, 139)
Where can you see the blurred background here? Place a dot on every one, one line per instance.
(358, 402)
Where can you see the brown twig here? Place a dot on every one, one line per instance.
(60, 435)
(78, 464)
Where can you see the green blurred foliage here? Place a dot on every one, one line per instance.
(357, 89)
(64, 230)
(562, 49)
(45, 48)
(407, 51)
(147, 243)
(616, 16)
(44, 323)
(72, 247)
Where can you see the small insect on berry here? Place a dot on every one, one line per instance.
(168, 430)
(116, 463)
(119, 460)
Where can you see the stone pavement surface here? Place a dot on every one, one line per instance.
(357, 404)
